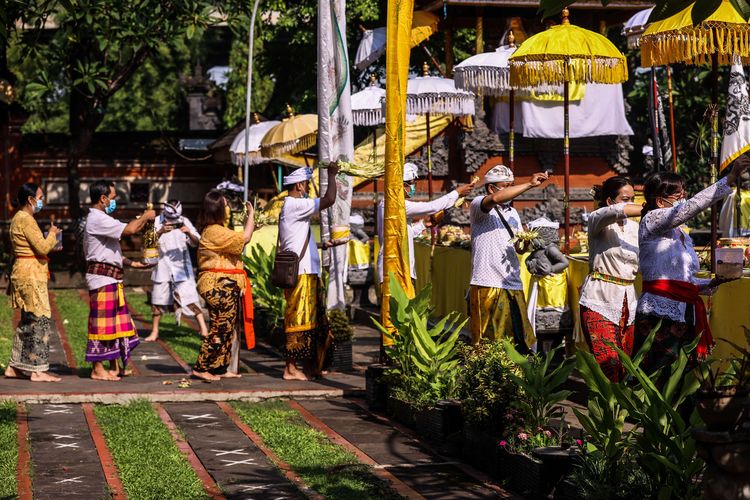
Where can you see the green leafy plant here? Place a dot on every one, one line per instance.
(539, 382)
(266, 295)
(485, 389)
(425, 360)
(597, 478)
(338, 322)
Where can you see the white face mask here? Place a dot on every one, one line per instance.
(677, 203)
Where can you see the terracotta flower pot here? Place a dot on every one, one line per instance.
(723, 409)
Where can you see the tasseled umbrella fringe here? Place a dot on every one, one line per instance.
(696, 45)
(580, 69)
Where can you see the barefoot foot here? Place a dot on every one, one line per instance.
(11, 372)
(206, 376)
(294, 375)
(231, 375)
(104, 375)
(44, 377)
(153, 337)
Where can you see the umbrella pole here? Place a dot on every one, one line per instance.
(279, 173)
(429, 157)
(512, 129)
(671, 119)
(566, 159)
(714, 148)
(375, 179)
(276, 180)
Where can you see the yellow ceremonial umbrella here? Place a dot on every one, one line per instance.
(566, 54)
(720, 37)
(423, 25)
(294, 134)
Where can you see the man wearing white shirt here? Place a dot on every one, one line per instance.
(416, 209)
(305, 322)
(497, 304)
(173, 277)
(111, 331)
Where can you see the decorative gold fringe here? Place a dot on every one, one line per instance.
(580, 69)
(289, 147)
(695, 45)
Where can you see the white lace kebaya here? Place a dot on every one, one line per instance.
(613, 251)
(667, 253)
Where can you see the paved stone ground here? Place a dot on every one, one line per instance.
(65, 463)
(235, 463)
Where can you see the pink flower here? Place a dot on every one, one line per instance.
(548, 434)
(579, 442)
(503, 443)
(523, 436)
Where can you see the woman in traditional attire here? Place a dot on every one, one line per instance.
(222, 283)
(608, 299)
(671, 291)
(28, 285)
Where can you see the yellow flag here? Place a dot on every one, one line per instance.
(395, 244)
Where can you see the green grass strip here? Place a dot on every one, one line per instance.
(148, 460)
(183, 340)
(7, 330)
(327, 468)
(8, 449)
(74, 312)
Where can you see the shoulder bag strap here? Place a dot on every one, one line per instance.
(505, 222)
(307, 241)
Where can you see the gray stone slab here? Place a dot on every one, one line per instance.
(401, 455)
(153, 360)
(239, 468)
(64, 460)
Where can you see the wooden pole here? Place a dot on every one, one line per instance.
(714, 149)
(429, 156)
(671, 119)
(449, 58)
(566, 159)
(512, 115)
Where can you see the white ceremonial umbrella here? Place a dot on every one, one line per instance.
(256, 132)
(433, 94)
(635, 26)
(371, 47)
(367, 107)
(489, 74)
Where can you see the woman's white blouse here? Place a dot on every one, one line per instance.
(613, 250)
(667, 251)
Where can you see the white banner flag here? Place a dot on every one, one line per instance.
(335, 133)
(737, 120)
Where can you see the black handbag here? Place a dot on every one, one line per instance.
(285, 272)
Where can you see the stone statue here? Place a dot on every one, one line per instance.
(546, 257)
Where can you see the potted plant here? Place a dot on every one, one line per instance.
(488, 399)
(723, 400)
(268, 299)
(539, 406)
(343, 333)
(424, 363)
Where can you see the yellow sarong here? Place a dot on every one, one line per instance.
(301, 313)
(493, 316)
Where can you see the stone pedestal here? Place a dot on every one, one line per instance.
(727, 456)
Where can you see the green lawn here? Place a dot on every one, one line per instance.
(327, 468)
(183, 340)
(7, 330)
(149, 462)
(76, 311)
(8, 449)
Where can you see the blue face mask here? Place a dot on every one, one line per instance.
(412, 190)
(39, 206)
(679, 202)
(111, 207)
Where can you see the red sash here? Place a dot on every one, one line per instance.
(247, 304)
(682, 291)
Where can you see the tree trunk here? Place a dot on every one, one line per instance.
(84, 120)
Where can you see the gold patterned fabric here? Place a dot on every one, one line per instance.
(498, 313)
(306, 324)
(223, 303)
(219, 248)
(30, 272)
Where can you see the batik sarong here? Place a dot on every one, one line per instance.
(31, 343)
(112, 333)
(223, 301)
(599, 331)
(308, 337)
(497, 313)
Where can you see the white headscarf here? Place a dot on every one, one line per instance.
(411, 172)
(543, 222)
(300, 175)
(499, 173)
